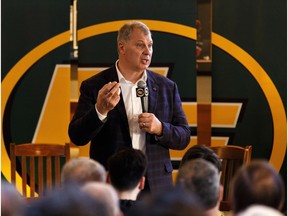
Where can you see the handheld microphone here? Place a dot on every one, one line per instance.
(143, 92)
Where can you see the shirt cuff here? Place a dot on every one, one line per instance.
(103, 118)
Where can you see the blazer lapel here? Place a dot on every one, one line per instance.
(153, 92)
(120, 107)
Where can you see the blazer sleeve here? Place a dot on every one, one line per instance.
(85, 123)
(176, 132)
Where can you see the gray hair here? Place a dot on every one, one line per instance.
(12, 202)
(82, 170)
(125, 31)
(104, 193)
(201, 178)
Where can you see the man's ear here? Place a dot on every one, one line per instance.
(108, 180)
(121, 47)
(142, 183)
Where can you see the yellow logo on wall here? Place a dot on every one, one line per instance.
(262, 78)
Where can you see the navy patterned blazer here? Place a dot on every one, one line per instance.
(106, 138)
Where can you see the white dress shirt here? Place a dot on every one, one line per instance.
(133, 109)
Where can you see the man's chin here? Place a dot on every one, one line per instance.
(145, 66)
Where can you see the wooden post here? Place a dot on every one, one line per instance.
(204, 71)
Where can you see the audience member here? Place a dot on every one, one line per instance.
(174, 202)
(82, 170)
(260, 210)
(257, 183)
(126, 173)
(12, 203)
(105, 194)
(70, 201)
(202, 151)
(202, 179)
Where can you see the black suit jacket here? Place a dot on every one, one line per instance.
(106, 138)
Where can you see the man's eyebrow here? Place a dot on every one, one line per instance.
(141, 41)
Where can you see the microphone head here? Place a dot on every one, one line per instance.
(141, 84)
(142, 90)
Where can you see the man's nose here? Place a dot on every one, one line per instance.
(147, 50)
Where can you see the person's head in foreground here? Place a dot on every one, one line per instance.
(257, 183)
(202, 179)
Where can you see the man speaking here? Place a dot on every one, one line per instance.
(110, 113)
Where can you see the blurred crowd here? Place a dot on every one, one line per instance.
(87, 188)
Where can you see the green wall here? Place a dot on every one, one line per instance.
(258, 27)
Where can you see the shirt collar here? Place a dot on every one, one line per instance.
(122, 79)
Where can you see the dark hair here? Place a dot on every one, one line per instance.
(126, 167)
(202, 151)
(173, 202)
(257, 183)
